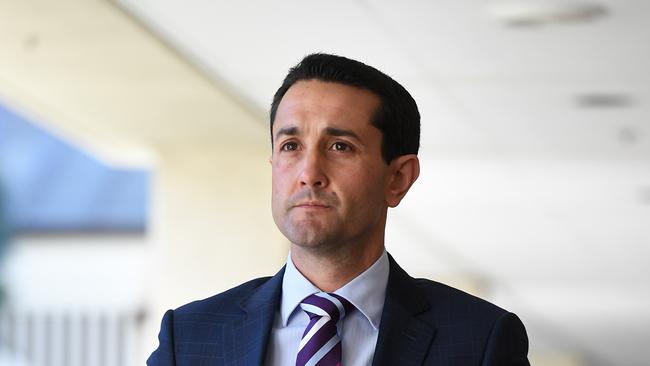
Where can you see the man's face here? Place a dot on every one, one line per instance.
(329, 178)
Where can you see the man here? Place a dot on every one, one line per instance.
(345, 139)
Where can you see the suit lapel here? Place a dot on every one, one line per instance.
(403, 338)
(251, 333)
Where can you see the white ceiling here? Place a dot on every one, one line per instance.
(543, 200)
(95, 76)
(477, 81)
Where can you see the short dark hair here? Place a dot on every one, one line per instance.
(397, 117)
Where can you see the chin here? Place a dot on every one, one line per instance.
(307, 241)
(309, 238)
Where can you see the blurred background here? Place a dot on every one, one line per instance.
(134, 172)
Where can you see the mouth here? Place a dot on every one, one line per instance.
(312, 205)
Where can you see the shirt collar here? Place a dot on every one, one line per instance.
(366, 292)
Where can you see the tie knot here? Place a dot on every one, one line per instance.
(326, 304)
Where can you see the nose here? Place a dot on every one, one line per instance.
(313, 173)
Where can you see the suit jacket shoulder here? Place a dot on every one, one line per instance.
(450, 305)
(230, 328)
(428, 323)
(227, 301)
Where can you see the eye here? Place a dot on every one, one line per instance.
(341, 146)
(289, 146)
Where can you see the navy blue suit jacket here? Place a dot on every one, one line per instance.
(423, 323)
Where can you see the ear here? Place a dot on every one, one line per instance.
(403, 171)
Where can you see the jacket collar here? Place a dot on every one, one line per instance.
(251, 334)
(402, 332)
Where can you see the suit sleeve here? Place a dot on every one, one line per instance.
(507, 344)
(164, 354)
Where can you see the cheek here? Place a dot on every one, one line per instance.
(277, 198)
(279, 173)
(280, 183)
(364, 190)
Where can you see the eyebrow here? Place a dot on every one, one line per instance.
(290, 131)
(340, 132)
(332, 131)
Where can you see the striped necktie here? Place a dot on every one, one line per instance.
(320, 344)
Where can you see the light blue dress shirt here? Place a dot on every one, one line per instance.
(358, 330)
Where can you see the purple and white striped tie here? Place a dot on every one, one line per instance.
(320, 344)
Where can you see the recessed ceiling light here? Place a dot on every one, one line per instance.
(531, 13)
(603, 100)
(628, 135)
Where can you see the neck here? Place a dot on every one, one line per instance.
(331, 271)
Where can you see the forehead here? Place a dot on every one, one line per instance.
(314, 102)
